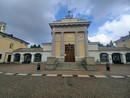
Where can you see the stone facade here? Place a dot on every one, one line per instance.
(123, 41)
(70, 31)
(9, 43)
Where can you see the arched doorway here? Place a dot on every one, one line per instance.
(104, 57)
(116, 58)
(37, 57)
(27, 58)
(127, 57)
(17, 57)
(9, 58)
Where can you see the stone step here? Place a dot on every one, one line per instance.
(70, 66)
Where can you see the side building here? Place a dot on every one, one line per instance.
(9, 43)
(123, 41)
(70, 44)
(102, 55)
(32, 55)
(112, 55)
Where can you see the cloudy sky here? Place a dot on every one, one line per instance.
(28, 19)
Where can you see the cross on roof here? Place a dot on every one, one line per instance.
(69, 14)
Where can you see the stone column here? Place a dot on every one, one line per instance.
(76, 44)
(53, 44)
(124, 58)
(32, 58)
(62, 44)
(86, 43)
(110, 58)
(21, 58)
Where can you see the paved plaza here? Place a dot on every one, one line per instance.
(31, 68)
(24, 81)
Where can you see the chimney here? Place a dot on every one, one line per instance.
(2, 26)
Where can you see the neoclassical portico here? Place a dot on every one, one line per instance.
(70, 39)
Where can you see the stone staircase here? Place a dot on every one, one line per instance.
(70, 66)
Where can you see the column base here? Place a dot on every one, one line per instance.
(78, 59)
(62, 58)
(90, 63)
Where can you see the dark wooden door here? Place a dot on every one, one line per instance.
(69, 53)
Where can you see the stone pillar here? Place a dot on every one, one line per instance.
(62, 44)
(110, 58)
(21, 58)
(32, 58)
(76, 44)
(53, 44)
(124, 58)
(86, 43)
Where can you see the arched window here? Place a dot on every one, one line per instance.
(127, 57)
(17, 57)
(104, 57)
(27, 58)
(116, 58)
(37, 57)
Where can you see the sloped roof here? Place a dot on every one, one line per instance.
(29, 50)
(113, 49)
(93, 43)
(47, 43)
(70, 22)
(123, 38)
(12, 37)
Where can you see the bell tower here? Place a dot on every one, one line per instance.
(2, 26)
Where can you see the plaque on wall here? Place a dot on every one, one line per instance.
(81, 35)
(69, 36)
(57, 36)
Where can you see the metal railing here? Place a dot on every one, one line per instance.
(84, 63)
(55, 64)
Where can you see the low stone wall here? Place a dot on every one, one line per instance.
(90, 63)
(50, 63)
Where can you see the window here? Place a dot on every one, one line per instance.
(104, 57)
(0, 28)
(0, 56)
(37, 57)
(17, 57)
(11, 45)
(127, 57)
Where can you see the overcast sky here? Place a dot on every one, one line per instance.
(28, 19)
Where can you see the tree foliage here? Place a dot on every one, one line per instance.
(35, 46)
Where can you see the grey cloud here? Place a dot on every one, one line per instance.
(99, 8)
(27, 19)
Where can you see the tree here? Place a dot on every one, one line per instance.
(34, 46)
(111, 44)
(100, 45)
(38, 46)
(31, 46)
(107, 45)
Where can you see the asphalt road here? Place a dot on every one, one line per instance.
(63, 87)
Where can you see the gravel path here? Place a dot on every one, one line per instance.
(58, 87)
